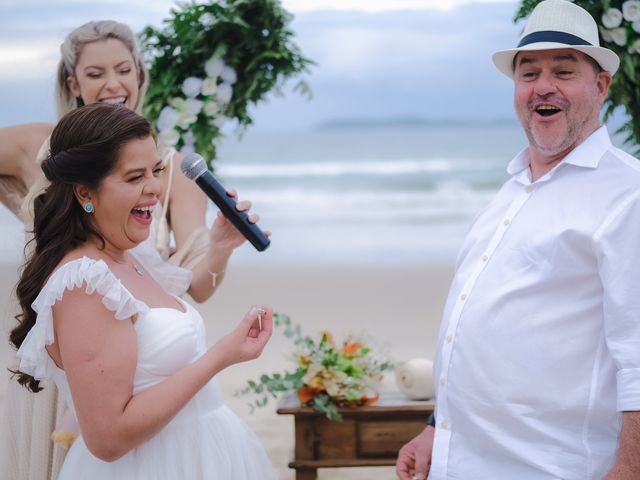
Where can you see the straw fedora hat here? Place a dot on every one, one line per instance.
(557, 24)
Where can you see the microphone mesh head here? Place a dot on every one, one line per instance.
(193, 165)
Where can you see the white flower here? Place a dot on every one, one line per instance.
(178, 103)
(217, 122)
(189, 138)
(211, 108)
(224, 93)
(636, 26)
(169, 138)
(606, 34)
(619, 36)
(635, 46)
(612, 18)
(167, 119)
(214, 67)
(193, 105)
(631, 10)
(185, 119)
(207, 19)
(191, 86)
(228, 75)
(209, 86)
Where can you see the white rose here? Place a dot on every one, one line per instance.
(185, 119)
(635, 46)
(167, 119)
(178, 103)
(193, 105)
(214, 67)
(612, 18)
(619, 36)
(207, 19)
(191, 86)
(631, 10)
(224, 93)
(217, 122)
(228, 75)
(189, 138)
(169, 138)
(606, 34)
(211, 108)
(209, 86)
(636, 26)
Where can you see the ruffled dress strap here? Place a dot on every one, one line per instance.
(174, 279)
(95, 274)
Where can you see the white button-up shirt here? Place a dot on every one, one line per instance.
(539, 348)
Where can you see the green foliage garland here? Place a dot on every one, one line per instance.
(210, 62)
(619, 25)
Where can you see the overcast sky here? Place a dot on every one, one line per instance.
(375, 58)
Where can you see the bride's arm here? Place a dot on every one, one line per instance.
(99, 356)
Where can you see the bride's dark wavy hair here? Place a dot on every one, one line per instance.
(84, 149)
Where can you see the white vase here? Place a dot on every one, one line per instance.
(415, 378)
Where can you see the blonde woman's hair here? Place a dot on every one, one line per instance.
(70, 50)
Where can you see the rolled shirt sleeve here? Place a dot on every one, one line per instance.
(617, 244)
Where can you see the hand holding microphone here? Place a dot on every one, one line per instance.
(195, 168)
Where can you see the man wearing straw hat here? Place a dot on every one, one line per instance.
(538, 362)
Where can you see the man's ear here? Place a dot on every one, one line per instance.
(74, 88)
(603, 83)
(82, 193)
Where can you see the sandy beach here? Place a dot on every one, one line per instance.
(398, 307)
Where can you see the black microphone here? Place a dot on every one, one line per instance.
(195, 168)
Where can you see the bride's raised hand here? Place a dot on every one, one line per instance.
(249, 338)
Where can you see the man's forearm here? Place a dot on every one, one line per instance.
(627, 466)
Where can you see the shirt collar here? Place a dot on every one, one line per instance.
(587, 154)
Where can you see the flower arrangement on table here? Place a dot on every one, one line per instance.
(327, 375)
(619, 25)
(210, 62)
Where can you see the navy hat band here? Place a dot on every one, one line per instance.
(552, 36)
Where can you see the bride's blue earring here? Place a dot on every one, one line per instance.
(88, 207)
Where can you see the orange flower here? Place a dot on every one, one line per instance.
(350, 348)
(329, 336)
(306, 393)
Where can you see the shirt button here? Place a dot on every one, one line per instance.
(506, 222)
(463, 296)
(442, 382)
(444, 424)
(485, 258)
(449, 338)
(528, 189)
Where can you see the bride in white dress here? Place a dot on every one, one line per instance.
(130, 358)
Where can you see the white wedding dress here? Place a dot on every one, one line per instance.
(205, 440)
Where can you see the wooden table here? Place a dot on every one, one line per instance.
(367, 436)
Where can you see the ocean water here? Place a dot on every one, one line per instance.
(376, 195)
(368, 195)
(382, 195)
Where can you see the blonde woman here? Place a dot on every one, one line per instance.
(101, 63)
